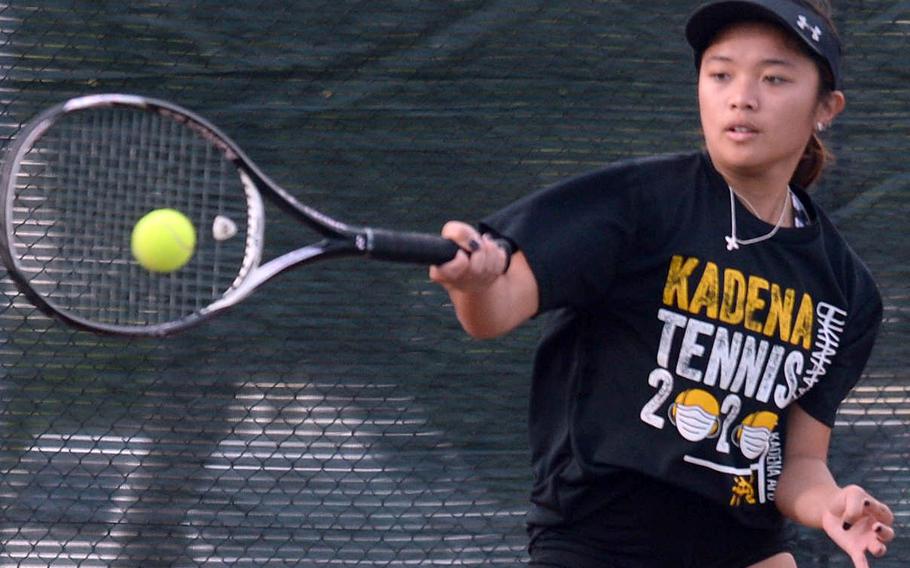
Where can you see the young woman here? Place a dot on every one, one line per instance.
(706, 321)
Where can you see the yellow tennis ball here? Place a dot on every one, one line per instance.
(163, 240)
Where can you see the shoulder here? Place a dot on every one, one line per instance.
(855, 278)
(652, 181)
(620, 194)
(846, 260)
(658, 170)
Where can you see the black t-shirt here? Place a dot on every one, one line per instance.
(668, 354)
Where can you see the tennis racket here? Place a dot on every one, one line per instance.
(80, 175)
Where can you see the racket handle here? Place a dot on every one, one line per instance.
(418, 248)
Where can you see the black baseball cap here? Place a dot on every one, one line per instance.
(803, 22)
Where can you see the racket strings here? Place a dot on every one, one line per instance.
(84, 183)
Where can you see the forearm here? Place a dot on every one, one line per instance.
(492, 292)
(805, 489)
(496, 309)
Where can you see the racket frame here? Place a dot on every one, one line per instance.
(339, 239)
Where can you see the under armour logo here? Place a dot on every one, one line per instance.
(803, 24)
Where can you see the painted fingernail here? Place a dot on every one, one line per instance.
(473, 245)
(866, 503)
(878, 529)
(847, 526)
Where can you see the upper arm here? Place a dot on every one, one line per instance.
(846, 334)
(806, 436)
(807, 488)
(574, 234)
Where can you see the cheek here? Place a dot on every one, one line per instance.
(706, 104)
(796, 117)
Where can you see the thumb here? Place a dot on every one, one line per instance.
(859, 560)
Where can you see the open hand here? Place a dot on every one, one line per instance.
(858, 523)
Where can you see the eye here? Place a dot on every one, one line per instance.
(776, 79)
(719, 75)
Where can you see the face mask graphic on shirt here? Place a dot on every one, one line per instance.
(753, 441)
(753, 436)
(695, 414)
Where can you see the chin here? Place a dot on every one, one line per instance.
(747, 161)
(751, 168)
(742, 161)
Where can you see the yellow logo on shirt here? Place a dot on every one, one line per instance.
(743, 490)
(734, 298)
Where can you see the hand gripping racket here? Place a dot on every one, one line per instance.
(80, 175)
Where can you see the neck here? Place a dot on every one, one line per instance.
(766, 194)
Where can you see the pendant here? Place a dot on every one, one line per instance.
(731, 243)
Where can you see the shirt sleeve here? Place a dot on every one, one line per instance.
(853, 351)
(573, 234)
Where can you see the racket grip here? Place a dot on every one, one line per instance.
(417, 248)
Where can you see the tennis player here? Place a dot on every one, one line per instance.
(706, 319)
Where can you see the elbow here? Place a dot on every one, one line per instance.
(481, 322)
(795, 498)
(477, 330)
(783, 499)
(480, 325)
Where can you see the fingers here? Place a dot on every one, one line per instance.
(496, 256)
(464, 235)
(857, 504)
(878, 549)
(467, 238)
(866, 524)
(876, 544)
(880, 512)
(883, 533)
(476, 266)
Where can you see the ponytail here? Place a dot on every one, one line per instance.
(816, 156)
(814, 160)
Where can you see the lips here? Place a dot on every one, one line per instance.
(741, 131)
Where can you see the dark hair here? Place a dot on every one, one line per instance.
(816, 155)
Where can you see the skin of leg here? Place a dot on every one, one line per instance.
(782, 560)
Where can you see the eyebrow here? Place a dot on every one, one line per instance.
(764, 62)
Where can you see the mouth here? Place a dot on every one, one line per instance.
(741, 132)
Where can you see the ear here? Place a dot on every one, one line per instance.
(830, 107)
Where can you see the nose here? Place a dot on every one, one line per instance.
(744, 95)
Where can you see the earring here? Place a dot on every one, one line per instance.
(820, 127)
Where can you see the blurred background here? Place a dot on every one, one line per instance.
(340, 417)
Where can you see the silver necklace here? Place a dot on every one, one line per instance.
(734, 243)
